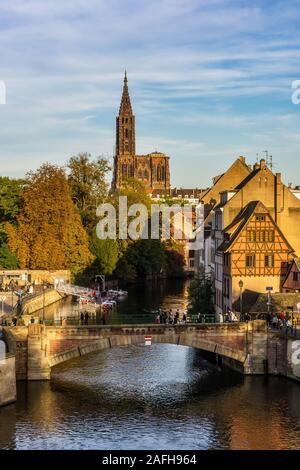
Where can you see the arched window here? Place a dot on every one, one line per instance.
(126, 133)
(146, 175)
(154, 173)
(124, 170)
(163, 174)
(158, 173)
(140, 174)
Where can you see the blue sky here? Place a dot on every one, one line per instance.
(209, 80)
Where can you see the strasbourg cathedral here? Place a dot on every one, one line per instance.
(152, 170)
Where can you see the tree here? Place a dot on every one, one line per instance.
(142, 259)
(87, 179)
(135, 191)
(174, 263)
(10, 198)
(125, 271)
(8, 260)
(201, 296)
(106, 253)
(49, 232)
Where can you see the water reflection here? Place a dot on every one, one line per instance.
(158, 397)
(138, 307)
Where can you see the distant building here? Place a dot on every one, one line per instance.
(291, 282)
(152, 170)
(254, 251)
(23, 277)
(236, 173)
(227, 217)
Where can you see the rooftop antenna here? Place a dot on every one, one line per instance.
(269, 159)
(270, 162)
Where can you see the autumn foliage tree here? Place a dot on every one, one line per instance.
(49, 232)
(89, 187)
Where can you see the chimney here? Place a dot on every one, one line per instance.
(256, 166)
(278, 195)
(242, 159)
(263, 163)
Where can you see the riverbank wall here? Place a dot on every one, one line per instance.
(8, 387)
(38, 301)
(283, 356)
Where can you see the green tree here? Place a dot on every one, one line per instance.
(125, 271)
(106, 253)
(142, 259)
(49, 232)
(8, 260)
(201, 296)
(135, 191)
(10, 198)
(89, 187)
(174, 263)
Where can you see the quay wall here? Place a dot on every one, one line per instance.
(283, 356)
(8, 389)
(37, 302)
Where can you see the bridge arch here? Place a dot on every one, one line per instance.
(242, 345)
(230, 356)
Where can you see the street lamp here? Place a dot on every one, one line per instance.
(44, 287)
(241, 285)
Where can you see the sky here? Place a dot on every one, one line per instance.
(209, 80)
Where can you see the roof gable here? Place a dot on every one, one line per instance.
(228, 180)
(236, 228)
(295, 262)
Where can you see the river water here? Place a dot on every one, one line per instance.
(152, 397)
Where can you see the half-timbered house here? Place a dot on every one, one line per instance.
(254, 251)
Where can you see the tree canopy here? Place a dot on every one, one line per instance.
(201, 296)
(106, 253)
(10, 198)
(89, 187)
(49, 232)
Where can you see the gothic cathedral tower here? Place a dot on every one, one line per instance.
(125, 139)
(152, 169)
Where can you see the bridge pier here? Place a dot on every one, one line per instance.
(38, 367)
(256, 349)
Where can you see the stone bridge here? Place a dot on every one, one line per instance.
(38, 348)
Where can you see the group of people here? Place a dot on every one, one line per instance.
(8, 322)
(84, 318)
(170, 317)
(279, 321)
(14, 286)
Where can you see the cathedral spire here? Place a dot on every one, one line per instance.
(125, 106)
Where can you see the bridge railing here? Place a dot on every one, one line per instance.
(71, 289)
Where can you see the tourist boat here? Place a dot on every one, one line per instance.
(109, 304)
(117, 294)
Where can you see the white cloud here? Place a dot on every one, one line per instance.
(192, 64)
